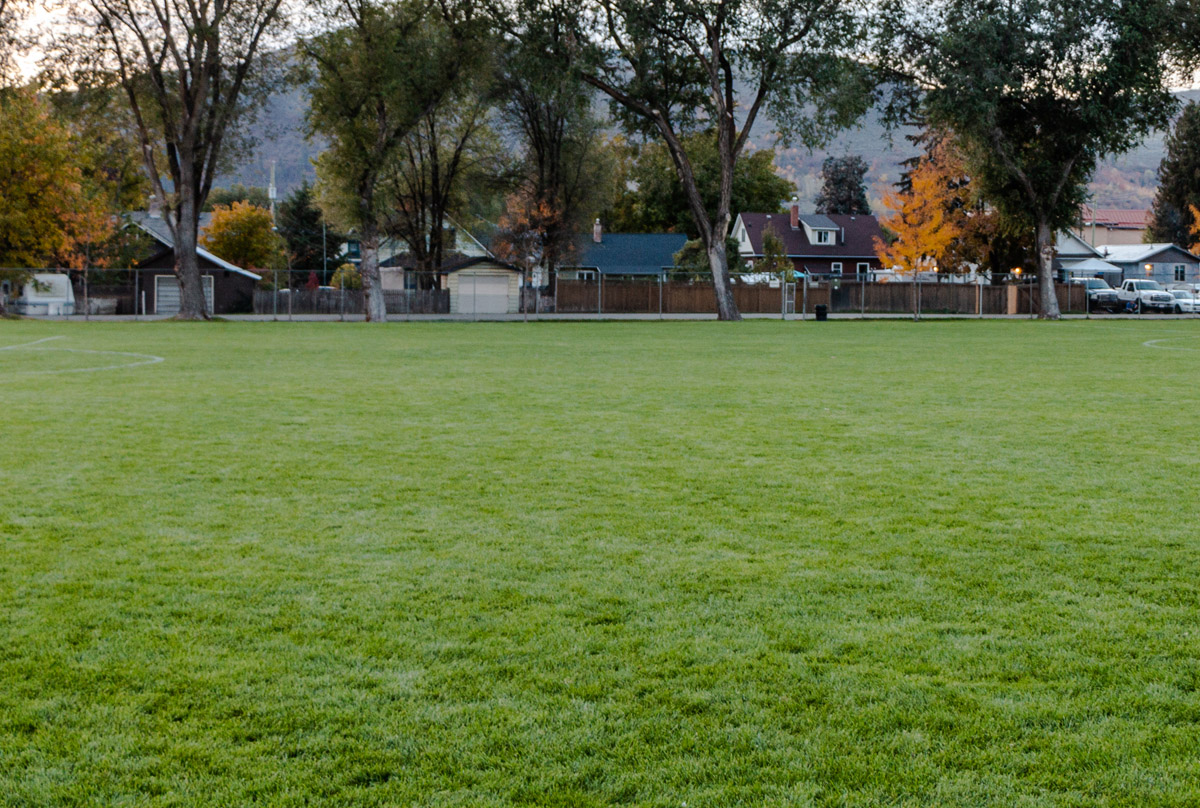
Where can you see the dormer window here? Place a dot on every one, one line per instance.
(824, 236)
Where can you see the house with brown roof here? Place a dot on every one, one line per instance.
(818, 244)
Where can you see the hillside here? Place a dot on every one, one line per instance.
(1127, 181)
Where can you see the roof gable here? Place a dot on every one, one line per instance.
(158, 229)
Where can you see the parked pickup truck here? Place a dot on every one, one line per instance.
(1099, 294)
(1145, 296)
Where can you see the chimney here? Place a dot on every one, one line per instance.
(795, 213)
(597, 232)
(155, 207)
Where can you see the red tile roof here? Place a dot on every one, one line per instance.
(1115, 218)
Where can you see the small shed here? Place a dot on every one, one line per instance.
(483, 286)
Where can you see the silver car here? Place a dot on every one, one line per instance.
(1185, 302)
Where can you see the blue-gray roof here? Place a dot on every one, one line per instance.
(818, 221)
(630, 253)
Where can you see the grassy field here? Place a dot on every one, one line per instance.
(768, 564)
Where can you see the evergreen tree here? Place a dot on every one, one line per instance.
(309, 241)
(1178, 182)
(844, 189)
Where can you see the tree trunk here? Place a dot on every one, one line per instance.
(372, 283)
(718, 261)
(192, 305)
(1045, 252)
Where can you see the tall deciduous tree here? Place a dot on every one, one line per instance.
(49, 212)
(189, 71)
(1178, 182)
(565, 174)
(451, 147)
(925, 221)
(843, 186)
(674, 67)
(659, 202)
(1037, 91)
(381, 68)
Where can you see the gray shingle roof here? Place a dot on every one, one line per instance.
(629, 253)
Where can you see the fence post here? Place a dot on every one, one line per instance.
(782, 296)
(660, 285)
(137, 277)
(275, 295)
(599, 292)
(556, 291)
(291, 294)
(862, 288)
(524, 308)
(979, 301)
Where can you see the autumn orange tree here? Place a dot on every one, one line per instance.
(928, 218)
(527, 234)
(48, 212)
(1194, 229)
(243, 234)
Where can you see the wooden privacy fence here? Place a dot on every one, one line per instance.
(650, 297)
(675, 297)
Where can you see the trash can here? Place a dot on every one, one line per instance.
(822, 311)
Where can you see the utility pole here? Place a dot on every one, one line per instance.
(271, 192)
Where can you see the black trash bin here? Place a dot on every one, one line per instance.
(822, 311)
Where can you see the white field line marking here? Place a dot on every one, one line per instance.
(1155, 343)
(144, 359)
(27, 344)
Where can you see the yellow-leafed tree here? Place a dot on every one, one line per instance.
(1195, 228)
(243, 235)
(927, 219)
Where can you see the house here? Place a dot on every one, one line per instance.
(1102, 227)
(623, 255)
(464, 284)
(456, 239)
(228, 289)
(818, 244)
(1165, 263)
(1076, 258)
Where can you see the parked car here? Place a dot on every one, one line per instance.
(1099, 294)
(1185, 302)
(1141, 296)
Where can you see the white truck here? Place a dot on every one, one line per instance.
(1143, 296)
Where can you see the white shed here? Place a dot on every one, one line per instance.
(484, 286)
(48, 294)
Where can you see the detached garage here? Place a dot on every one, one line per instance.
(484, 286)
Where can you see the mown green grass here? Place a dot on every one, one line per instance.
(859, 564)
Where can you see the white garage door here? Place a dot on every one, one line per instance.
(166, 293)
(483, 294)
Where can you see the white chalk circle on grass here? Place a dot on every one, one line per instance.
(39, 345)
(1158, 343)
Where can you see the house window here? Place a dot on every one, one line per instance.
(836, 268)
(587, 275)
(1180, 272)
(823, 236)
(863, 269)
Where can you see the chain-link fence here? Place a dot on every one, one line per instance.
(489, 289)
